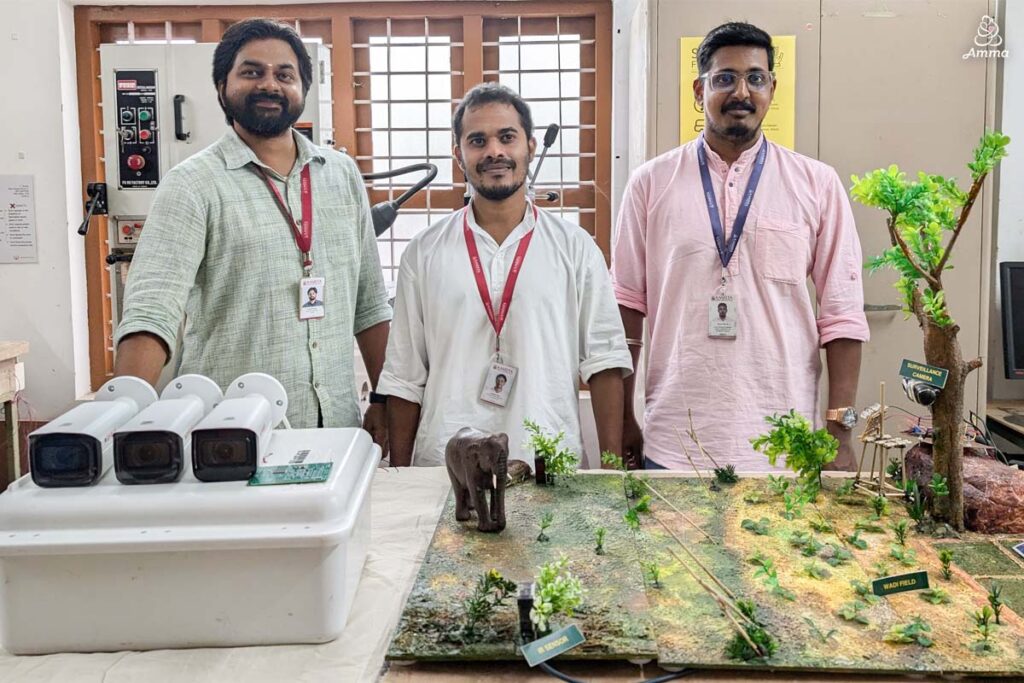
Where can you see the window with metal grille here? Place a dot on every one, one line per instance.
(549, 61)
(407, 76)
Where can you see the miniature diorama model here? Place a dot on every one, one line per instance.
(286, 294)
(728, 228)
(501, 308)
(707, 567)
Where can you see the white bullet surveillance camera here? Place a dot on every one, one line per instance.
(76, 448)
(153, 447)
(228, 443)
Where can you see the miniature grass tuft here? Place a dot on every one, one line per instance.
(761, 528)
(917, 631)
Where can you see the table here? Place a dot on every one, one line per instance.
(1005, 420)
(1010, 414)
(9, 353)
(405, 505)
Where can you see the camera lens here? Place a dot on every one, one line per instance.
(148, 457)
(920, 392)
(925, 394)
(60, 459)
(224, 454)
(64, 460)
(227, 453)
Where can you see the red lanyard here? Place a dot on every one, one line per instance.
(497, 319)
(303, 235)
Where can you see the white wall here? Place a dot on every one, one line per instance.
(1009, 232)
(622, 104)
(44, 303)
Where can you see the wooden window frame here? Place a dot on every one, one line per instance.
(94, 23)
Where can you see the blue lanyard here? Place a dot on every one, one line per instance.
(725, 251)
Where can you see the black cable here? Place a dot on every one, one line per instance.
(671, 676)
(975, 421)
(552, 671)
(431, 170)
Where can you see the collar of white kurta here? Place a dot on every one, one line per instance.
(529, 222)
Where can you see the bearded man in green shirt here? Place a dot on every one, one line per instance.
(239, 232)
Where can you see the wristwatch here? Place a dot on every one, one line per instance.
(844, 417)
(378, 398)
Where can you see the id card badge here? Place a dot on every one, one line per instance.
(722, 316)
(311, 298)
(498, 384)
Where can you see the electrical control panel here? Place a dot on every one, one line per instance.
(128, 229)
(137, 129)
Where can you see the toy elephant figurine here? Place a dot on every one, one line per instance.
(478, 462)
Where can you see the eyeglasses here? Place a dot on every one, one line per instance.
(727, 81)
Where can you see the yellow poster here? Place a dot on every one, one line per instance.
(780, 122)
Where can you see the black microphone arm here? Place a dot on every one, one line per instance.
(550, 135)
(385, 213)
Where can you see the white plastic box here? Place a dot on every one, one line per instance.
(189, 564)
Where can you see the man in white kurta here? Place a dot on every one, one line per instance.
(562, 319)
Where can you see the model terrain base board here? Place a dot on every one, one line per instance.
(626, 615)
(614, 617)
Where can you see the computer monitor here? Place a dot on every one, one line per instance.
(1011, 278)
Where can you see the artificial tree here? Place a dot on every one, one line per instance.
(921, 216)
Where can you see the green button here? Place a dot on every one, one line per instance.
(144, 115)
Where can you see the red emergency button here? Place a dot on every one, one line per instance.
(126, 229)
(136, 162)
(145, 135)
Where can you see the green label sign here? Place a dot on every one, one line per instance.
(552, 645)
(312, 473)
(887, 585)
(926, 373)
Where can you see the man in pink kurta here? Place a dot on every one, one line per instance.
(667, 267)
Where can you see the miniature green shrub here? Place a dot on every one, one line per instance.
(557, 592)
(545, 522)
(856, 541)
(853, 611)
(491, 591)
(917, 631)
(946, 557)
(761, 528)
(807, 451)
(558, 461)
(599, 534)
(936, 596)
(738, 648)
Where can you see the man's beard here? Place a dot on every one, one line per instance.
(262, 123)
(497, 193)
(737, 132)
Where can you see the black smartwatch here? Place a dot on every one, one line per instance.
(378, 398)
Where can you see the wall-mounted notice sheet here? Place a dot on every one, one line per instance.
(17, 219)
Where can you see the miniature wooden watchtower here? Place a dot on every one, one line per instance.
(874, 482)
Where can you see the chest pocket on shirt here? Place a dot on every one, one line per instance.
(337, 226)
(780, 251)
